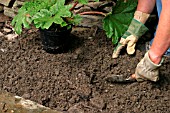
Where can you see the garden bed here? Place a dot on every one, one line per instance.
(74, 80)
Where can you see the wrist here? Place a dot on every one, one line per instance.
(155, 58)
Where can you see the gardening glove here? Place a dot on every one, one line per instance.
(135, 30)
(147, 70)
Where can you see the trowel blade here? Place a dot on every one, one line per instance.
(119, 79)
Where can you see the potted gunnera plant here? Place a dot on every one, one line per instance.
(53, 18)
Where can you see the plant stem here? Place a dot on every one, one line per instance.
(71, 9)
(92, 12)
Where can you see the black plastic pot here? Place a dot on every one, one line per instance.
(55, 41)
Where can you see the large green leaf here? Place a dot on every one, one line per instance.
(116, 23)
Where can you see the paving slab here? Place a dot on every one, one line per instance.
(15, 104)
(5, 2)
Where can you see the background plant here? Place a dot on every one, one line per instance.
(115, 23)
(43, 13)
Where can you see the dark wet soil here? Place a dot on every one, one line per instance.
(74, 80)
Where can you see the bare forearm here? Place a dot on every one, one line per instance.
(162, 39)
(146, 6)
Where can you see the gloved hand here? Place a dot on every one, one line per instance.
(136, 29)
(147, 70)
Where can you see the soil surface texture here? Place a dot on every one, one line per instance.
(74, 80)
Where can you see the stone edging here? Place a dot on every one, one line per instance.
(16, 104)
(10, 7)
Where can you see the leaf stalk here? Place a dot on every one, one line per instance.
(93, 12)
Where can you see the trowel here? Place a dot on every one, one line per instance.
(120, 79)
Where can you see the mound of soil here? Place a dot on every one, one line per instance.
(74, 80)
